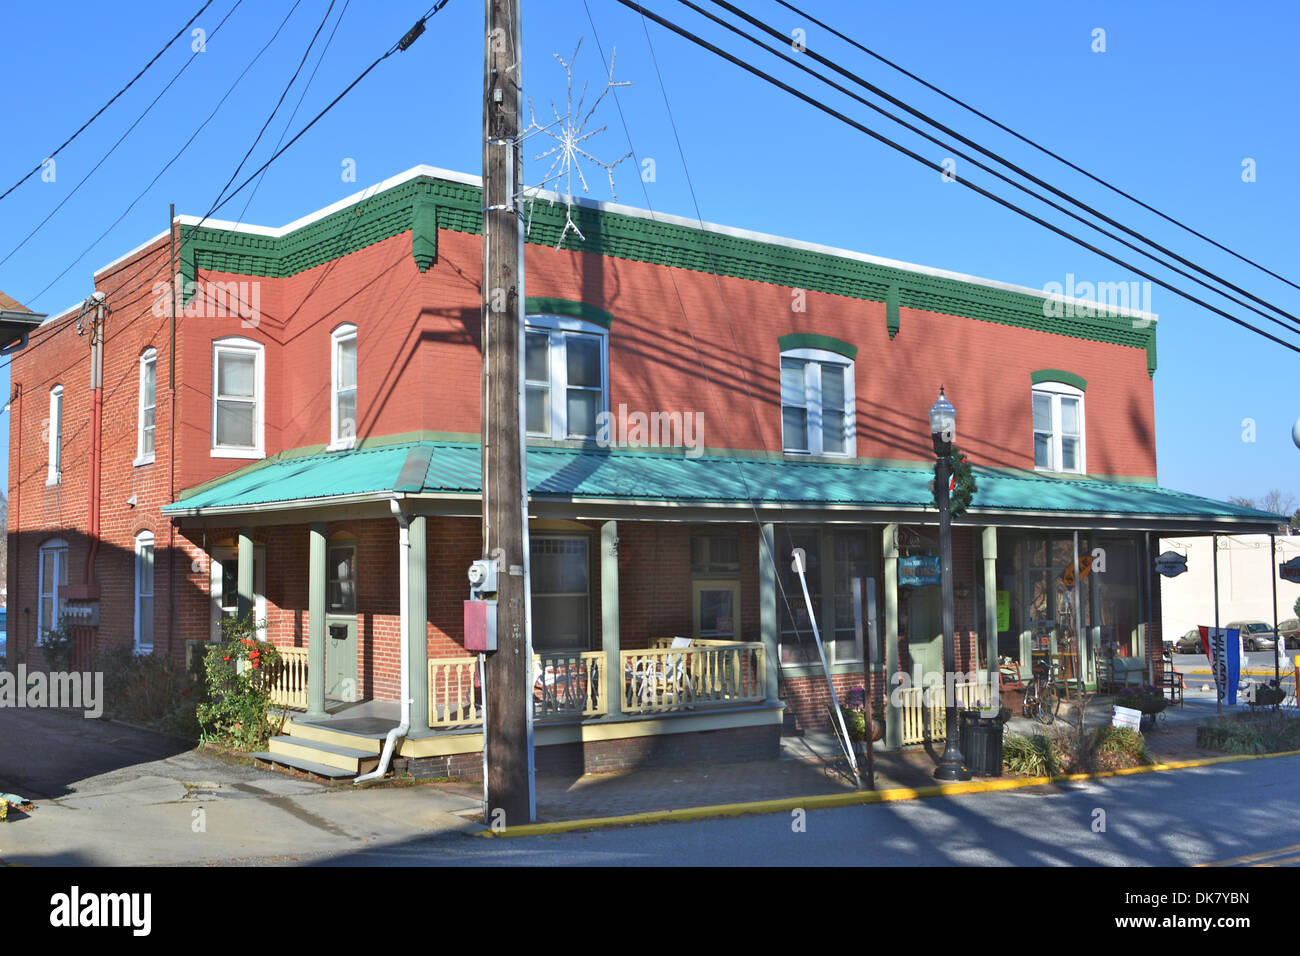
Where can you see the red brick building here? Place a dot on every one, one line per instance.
(699, 401)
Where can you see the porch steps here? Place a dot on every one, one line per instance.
(348, 760)
(311, 733)
(307, 766)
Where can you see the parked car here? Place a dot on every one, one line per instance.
(1189, 643)
(1290, 631)
(1255, 635)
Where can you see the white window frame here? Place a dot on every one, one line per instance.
(216, 562)
(813, 402)
(1055, 391)
(144, 540)
(148, 360)
(558, 328)
(55, 435)
(247, 346)
(340, 335)
(59, 548)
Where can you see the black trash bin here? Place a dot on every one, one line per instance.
(980, 739)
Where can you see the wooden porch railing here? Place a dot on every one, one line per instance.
(565, 684)
(454, 700)
(917, 702)
(708, 672)
(289, 684)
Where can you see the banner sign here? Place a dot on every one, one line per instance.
(1223, 647)
(918, 572)
(1127, 717)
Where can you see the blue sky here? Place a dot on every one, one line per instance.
(1183, 94)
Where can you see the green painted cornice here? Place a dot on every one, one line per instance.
(542, 305)
(1059, 375)
(807, 340)
(623, 236)
(424, 234)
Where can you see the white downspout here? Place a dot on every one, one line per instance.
(404, 596)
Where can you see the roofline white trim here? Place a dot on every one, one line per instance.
(434, 172)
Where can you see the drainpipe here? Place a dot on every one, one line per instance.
(96, 300)
(404, 596)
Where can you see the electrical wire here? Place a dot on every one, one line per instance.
(82, 128)
(686, 34)
(1030, 142)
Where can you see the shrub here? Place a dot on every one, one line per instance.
(238, 691)
(856, 722)
(149, 689)
(57, 645)
(1117, 748)
(1250, 733)
(1034, 756)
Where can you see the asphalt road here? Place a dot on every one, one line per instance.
(1173, 818)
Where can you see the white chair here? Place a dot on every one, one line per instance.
(657, 681)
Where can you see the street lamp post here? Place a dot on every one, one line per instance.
(943, 428)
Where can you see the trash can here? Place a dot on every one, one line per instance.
(980, 739)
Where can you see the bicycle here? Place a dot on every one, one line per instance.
(1042, 699)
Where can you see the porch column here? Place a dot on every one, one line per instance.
(316, 620)
(894, 718)
(245, 603)
(769, 630)
(417, 611)
(989, 545)
(609, 637)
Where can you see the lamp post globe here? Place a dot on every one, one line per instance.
(943, 430)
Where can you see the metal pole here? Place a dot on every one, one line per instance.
(1277, 637)
(952, 765)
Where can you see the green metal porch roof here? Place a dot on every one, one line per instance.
(444, 468)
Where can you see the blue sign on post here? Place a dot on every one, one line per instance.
(918, 572)
(1223, 646)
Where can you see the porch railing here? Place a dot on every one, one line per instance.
(918, 702)
(454, 699)
(716, 672)
(289, 685)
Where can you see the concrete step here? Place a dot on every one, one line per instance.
(367, 743)
(307, 766)
(331, 755)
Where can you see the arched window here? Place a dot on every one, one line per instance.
(566, 368)
(238, 398)
(343, 390)
(1058, 428)
(144, 592)
(817, 403)
(52, 574)
(148, 402)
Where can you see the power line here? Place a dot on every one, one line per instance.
(771, 31)
(120, 140)
(993, 172)
(83, 126)
(1025, 139)
(667, 24)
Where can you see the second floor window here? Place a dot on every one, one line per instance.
(1058, 428)
(565, 367)
(816, 403)
(343, 408)
(148, 407)
(54, 434)
(237, 401)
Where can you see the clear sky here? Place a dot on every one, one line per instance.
(1183, 95)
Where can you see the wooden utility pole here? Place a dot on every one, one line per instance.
(507, 737)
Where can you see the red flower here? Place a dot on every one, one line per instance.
(225, 658)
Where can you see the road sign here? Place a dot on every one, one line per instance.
(1171, 564)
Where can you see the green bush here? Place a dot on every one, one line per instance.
(149, 689)
(57, 645)
(1116, 748)
(856, 722)
(1034, 756)
(238, 689)
(1263, 733)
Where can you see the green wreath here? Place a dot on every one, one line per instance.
(961, 486)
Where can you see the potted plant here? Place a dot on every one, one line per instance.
(1142, 697)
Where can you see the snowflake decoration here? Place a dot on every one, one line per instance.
(570, 133)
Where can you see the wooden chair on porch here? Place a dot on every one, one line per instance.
(655, 682)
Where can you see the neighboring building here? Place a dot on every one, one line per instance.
(326, 392)
(1248, 578)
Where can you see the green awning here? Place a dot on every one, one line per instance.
(452, 469)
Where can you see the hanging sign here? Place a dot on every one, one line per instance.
(918, 572)
(1085, 565)
(1171, 564)
(1290, 570)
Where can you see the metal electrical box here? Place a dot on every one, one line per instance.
(480, 626)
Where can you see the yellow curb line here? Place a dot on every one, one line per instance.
(1253, 672)
(832, 800)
